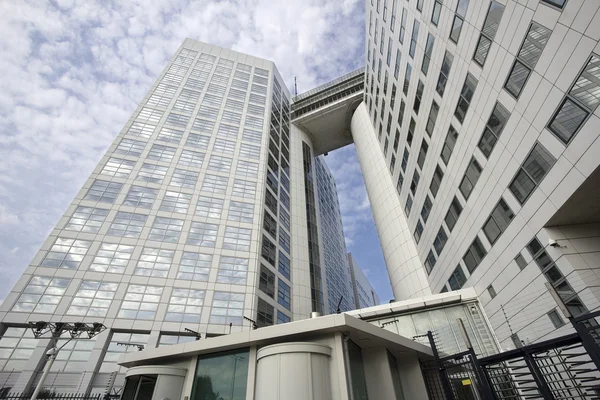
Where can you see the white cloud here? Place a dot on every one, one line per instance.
(74, 71)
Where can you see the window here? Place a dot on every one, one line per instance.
(430, 262)
(282, 318)
(245, 189)
(418, 96)
(444, 72)
(284, 265)
(427, 54)
(449, 144)
(427, 205)
(283, 294)
(114, 351)
(158, 152)
(184, 178)
(93, 299)
(556, 319)
(86, 219)
(130, 147)
(265, 313)
(154, 262)
(437, 10)
(531, 173)
(112, 258)
(237, 238)
(399, 183)
(413, 39)
(16, 348)
(168, 340)
(227, 308)
(267, 281)
(436, 180)
(406, 79)
(440, 241)
(152, 173)
(247, 169)
(422, 153)
(498, 221)
(202, 234)
(118, 167)
(433, 113)
(194, 266)
(415, 182)
(520, 260)
(249, 151)
(493, 129)
(224, 146)
(418, 232)
(139, 196)
(176, 202)
(140, 302)
(580, 102)
(470, 179)
(488, 32)
(527, 57)
(402, 26)
(474, 255)
(242, 212)
(41, 295)
(491, 291)
(459, 18)
(397, 64)
(185, 305)
(209, 207)
(404, 159)
(103, 191)
(203, 126)
(466, 94)
(284, 218)
(408, 205)
(215, 184)
(453, 213)
(191, 158)
(457, 279)
(166, 229)
(233, 270)
(556, 3)
(66, 253)
(411, 130)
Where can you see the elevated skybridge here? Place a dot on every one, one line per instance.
(325, 111)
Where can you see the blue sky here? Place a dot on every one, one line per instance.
(73, 72)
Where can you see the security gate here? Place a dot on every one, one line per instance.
(564, 368)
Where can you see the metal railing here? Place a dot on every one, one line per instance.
(567, 367)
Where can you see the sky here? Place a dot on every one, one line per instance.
(72, 73)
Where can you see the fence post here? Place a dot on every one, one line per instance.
(482, 377)
(538, 376)
(587, 341)
(441, 370)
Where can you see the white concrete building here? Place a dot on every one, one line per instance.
(479, 140)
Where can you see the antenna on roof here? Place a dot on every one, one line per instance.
(295, 87)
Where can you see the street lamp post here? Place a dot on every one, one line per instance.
(56, 330)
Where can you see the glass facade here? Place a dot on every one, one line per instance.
(223, 376)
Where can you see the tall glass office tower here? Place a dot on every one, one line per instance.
(201, 215)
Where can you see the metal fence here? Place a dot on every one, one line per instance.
(49, 395)
(567, 367)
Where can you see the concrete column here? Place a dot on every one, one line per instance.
(293, 371)
(407, 274)
(378, 374)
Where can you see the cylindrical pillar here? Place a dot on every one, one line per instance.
(293, 371)
(407, 274)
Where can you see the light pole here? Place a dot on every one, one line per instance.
(235, 360)
(56, 330)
